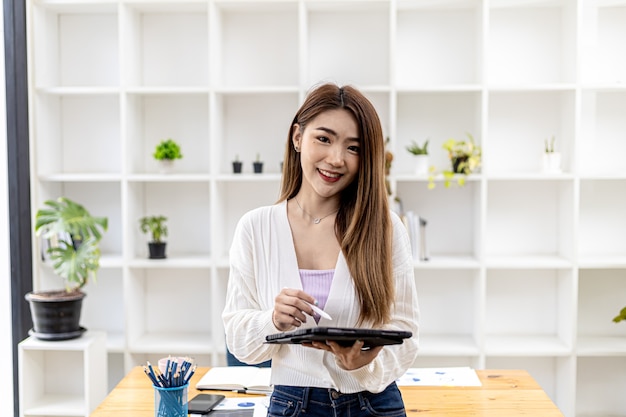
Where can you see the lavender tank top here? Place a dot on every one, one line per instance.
(316, 282)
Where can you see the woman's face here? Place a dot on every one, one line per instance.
(329, 152)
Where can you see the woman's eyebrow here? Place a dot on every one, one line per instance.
(332, 132)
(327, 130)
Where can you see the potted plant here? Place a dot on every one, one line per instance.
(257, 165)
(421, 155)
(551, 158)
(155, 225)
(465, 158)
(621, 316)
(166, 152)
(237, 165)
(72, 235)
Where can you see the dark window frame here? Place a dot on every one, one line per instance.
(16, 82)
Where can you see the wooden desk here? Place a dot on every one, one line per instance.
(508, 393)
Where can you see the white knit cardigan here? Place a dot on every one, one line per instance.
(263, 261)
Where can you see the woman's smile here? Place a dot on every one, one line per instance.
(329, 176)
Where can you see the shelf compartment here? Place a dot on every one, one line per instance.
(516, 326)
(162, 302)
(455, 209)
(252, 125)
(531, 44)
(75, 131)
(166, 44)
(602, 138)
(185, 238)
(603, 36)
(270, 57)
(530, 218)
(428, 53)
(359, 33)
(600, 298)
(63, 59)
(520, 122)
(593, 377)
(443, 295)
(156, 117)
(237, 198)
(44, 364)
(601, 219)
(436, 117)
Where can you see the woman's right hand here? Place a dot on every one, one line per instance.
(291, 307)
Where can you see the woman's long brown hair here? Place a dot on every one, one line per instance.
(362, 225)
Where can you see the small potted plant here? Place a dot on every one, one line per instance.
(257, 165)
(166, 152)
(465, 157)
(237, 165)
(72, 236)
(421, 157)
(551, 158)
(156, 227)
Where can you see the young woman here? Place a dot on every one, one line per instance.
(331, 241)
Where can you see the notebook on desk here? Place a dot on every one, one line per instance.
(345, 336)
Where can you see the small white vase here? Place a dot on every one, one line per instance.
(552, 162)
(165, 166)
(421, 165)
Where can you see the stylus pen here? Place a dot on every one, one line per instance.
(320, 312)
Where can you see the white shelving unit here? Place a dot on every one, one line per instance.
(526, 269)
(62, 378)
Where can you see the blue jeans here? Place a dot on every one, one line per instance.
(287, 401)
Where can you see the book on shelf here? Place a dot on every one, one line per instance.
(243, 379)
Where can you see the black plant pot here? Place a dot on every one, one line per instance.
(56, 314)
(456, 162)
(237, 165)
(258, 167)
(157, 250)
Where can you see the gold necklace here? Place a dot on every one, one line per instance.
(316, 220)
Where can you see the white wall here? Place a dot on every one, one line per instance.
(6, 393)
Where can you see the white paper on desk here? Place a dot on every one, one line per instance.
(257, 405)
(450, 377)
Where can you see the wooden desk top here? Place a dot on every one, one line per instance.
(508, 393)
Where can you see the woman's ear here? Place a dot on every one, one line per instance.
(296, 136)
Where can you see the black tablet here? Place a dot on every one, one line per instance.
(345, 336)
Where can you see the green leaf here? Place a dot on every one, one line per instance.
(76, 266)
(66, 216)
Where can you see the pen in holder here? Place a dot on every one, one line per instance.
(171, 387)
(171, 402)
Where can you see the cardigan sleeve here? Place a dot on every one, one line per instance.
(246, 323)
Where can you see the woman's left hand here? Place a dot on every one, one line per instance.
(350, 358)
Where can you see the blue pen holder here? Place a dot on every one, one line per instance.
(171, 402)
